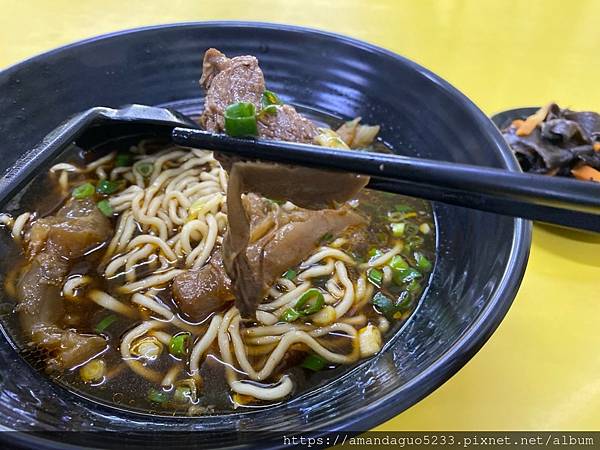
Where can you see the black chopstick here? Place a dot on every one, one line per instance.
(555, 200)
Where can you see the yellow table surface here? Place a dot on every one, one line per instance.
(541, 369)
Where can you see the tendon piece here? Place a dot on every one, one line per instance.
(69, 348)
(293, 237)
(75, 228)
(250, 280)
(307, 188)
(55, 242)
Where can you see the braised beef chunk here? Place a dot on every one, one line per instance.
(279, 240)
(556, 142)
(240, 79)
(199, 292)
(228, 81)
(55, 243)
(76, 227)
(287, 125)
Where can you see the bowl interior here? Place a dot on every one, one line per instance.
(481, 257)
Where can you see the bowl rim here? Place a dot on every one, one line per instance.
(465, 347)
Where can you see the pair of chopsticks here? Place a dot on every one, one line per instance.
(561, 201)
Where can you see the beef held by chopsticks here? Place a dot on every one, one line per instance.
(238, 103)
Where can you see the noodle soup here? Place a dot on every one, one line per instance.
(108, 326)
(177, 281)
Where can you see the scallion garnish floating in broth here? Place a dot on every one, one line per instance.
(126, 285)
(369, 265)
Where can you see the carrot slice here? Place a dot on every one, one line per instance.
(597, 146)
(517, 123)
(533, 121)
(586, 173)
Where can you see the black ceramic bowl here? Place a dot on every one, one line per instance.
(481, 257)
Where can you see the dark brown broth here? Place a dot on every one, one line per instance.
(125, 389)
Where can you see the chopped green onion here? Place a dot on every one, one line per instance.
(240, 120)
(108, 187)
(400, 216)
(84, 191)
(105, 323)
(290, 274)
(384, 305)
(398, 263)
(156, 396)
(413, 286)
(375, 276)
(404, 302)
(269, 98)
(270, 110)
(410, 229)
(314, 362)
(105, 208)
(123, 159)
(326, 237)
(182, 394)
(289, 315)
(414, 242)
(145, 169)
(357, 258)
(275, 201)
(422, 262)
(398, 229)
(382, 237)
(304, 306)
(177, 345)
(404, 276)
(403, 208)
(374, 253)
